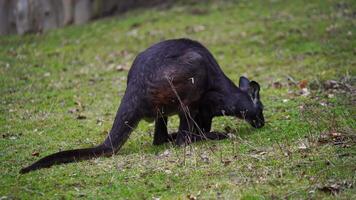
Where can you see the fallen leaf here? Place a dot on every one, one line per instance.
(331, 84)
(12, 138)
(335, 134)
(191, 197)
(337, 138)
(332, 28)
(335, 187)
(304, 92)
(99, 121)
(166, 153)
(301, 107)
(291, 81)
(323, 104)
(81, 116)
(302, 84)
(204, 157)
(133, 33)
(195, 29)
(35, 153)
(122, 68)
(79, 104)
(230, 135)
(226, 162)
(73, 110)
(302, 146)
(277, 85)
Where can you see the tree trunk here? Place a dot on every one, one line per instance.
(7, 17)
(23, 17)
(68, 12)
(82, 11)
(50, 14)
(30, 16)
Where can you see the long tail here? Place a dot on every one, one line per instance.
(126, 119)
(68, 156)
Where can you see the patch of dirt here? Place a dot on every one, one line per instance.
(334, 188)
(342, 139)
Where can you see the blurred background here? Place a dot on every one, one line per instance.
(33, 16)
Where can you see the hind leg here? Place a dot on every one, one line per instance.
(183, 136)
(161, 134)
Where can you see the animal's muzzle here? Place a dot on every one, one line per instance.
(257, 123)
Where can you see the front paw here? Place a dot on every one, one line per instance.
(216, 135)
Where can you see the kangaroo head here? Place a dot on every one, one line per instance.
(250, 106)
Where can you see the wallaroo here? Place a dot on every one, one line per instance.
(178, 76)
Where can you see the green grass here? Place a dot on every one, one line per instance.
(306, 150)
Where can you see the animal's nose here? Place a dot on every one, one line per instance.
(261, 124)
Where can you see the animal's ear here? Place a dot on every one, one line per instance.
(244, 83)
(254, 90)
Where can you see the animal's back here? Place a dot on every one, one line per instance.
(175, 52)
(172, 72)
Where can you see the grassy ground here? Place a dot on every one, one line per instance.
(60, 90)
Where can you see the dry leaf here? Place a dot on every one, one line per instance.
(277, 85)
(73, 110)
(133, 33)
(226, 162)
(79, 104)
(195, 29)
(12, 138)
(302, 84)
(304, 92)
(331, 84)
(121, 68)
(99, 121)
(335, 134)
(302, 146)
(323, 104)
(35, 153)
(81, 116)
(335, 187)
(204, 157)
(191, 197)
(166, 153)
